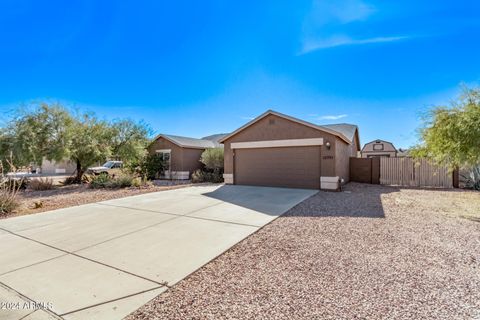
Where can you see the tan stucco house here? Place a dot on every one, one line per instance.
(278, 150)
(379, 148)
(56, 167)
(182, 154)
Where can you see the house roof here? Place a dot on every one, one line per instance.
(344, 131)
(187, 142)
(215, 138)
(348, 130)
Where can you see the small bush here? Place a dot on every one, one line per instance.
(121, 181)
(472, 178)
(8, 203)
(141, 182)
(41, 184)
(137, 182)
(101, 181)
(205, 176)
(15, 183)
(213, 159)
(73, 180)
(9, 189)
(150, 166)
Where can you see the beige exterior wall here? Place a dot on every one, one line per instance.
(273, 127)
(331, 162)
(343, 153)
(191, 159)
(62, 167)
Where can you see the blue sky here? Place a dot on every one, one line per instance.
(201, 67)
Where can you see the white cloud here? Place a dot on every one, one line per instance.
(335, 11)
(329, 23)
(247, 118)
(338, 41)
(332, 117)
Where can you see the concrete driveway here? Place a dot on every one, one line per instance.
(105, 260)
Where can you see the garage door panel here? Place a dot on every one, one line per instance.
(293, 167)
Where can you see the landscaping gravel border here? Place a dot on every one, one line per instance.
(370, 252)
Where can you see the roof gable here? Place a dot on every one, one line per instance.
(378, 141)
(346, 132)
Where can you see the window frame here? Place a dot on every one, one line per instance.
(162, 153)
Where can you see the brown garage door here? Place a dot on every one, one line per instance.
(293, 167)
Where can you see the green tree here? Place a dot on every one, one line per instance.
(451, 134)
(90, 142)
(51, 131)
(32, 135)
(129, 140)
(213, 159)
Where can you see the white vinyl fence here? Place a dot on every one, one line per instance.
(414, 173)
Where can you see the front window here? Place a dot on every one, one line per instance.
(165, 155)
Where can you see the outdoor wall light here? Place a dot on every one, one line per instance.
(327, 145)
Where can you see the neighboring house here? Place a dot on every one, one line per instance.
(379, 148)
(60, 167)
(182, 154)
(281, 151)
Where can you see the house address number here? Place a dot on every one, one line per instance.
(327, 157)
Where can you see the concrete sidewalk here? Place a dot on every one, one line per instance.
(105, 260)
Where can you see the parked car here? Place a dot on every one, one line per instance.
(109, 167)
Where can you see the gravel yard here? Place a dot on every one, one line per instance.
(370, 252)
(73, 195)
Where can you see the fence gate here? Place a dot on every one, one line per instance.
(414, 173)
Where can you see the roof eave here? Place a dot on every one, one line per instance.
(179, 144)
(268, 112)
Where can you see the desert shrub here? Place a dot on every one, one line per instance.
(9, 189)
(150, 166)
(472, 178)
(137, 182)
(8, 203)
(121, 181)
(213, 171)
(141, 182)
(199, 176)
(41, 184)
(101, 181)
(68, 181)
(213, 159)
(14, 183)
(86, 178)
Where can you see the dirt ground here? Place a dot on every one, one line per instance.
(73, 195)
(370, 252)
